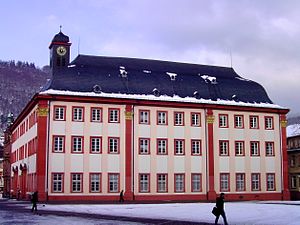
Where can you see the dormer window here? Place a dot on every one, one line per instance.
(123, 72)
(97, 88)
(156, 92)
(172, 76)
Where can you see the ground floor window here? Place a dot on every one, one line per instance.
(179, 182)
(76, 182)
(270, 182)
(224, 182)
(196, 182)
(113, 182)
(95, 182)
(162, 182)
(144, 181)
(57, 182)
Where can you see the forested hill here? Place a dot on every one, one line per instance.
(19, 81)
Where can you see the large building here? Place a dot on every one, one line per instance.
(158, 130)
(293, 140)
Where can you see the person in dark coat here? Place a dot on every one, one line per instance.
(34, 200)
(220, 207)
(121, 196)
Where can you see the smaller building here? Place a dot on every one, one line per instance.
(293, 140)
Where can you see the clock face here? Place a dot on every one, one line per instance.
(61, 50)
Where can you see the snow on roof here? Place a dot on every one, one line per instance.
(151, 97)
(293, 130)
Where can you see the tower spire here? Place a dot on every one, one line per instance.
(60, 26)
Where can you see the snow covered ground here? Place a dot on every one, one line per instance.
(239, 213)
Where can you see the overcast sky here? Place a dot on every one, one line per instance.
(263, 36)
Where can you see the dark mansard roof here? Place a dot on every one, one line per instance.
(154, 77)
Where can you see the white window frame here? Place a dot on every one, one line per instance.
(162, 146)
(179, 118)
(196, 147)
(253, 122)
(96, 145)
(254, 148)
(96, 115)
(270, 182)
(161, 118)
(76, 182)
(196, 182)
(144, 117)
(224, 147)
(224, 182)
(255, 182)
(179, 182)
(195, 119)
(240, 182)
(162, 182)
(78, 114)
(238, 121)
(179, 147)
(239, 148)
(223, 121)
(144, 181)
(59, 113)
(114, 115)
(59, 143)
(57, 182)
(113, 183)
(77, 144)
(144, 146)
(269, 148)
(95, 182)
(113, 145)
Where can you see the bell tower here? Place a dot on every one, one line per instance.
(59, 52)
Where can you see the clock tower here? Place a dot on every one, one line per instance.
(59, 52)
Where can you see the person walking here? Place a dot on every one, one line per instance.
(34, 200)
(121, 196)
(220, 207)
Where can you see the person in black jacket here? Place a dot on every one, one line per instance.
(220, 207)
(121, 196)
(34, 200)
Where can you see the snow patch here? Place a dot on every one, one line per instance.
(172, 75)
(123, 71)
(146, 71)
(70, 66)
(211, 79)
(241, 78)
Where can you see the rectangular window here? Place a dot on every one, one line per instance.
(96, 144)
(59, 113)
(270, 182)
(162, 182)
(254, 122)
(144, 146)
(144, 182)
(239, 148)
(58, 144)
(96, 114)
(57, 182)
(254, 146)
(255, 182)
(179, 119)
(77, 144)
(76, 182)
(77, 114)
(144, 117)
(162, 118)
(270, 149)
(269, 123)
(196, 147)
(224, 148)
(95, 182)
(179, 182)
(292, 161)
(195, 119)
(113, 145)
(293, 182)
(196, 183)
(239, 121)
(113, 183)
(179, 147)
(224, 182)
(114, 115)
(162, 146)
(223, 120)
(240, 182)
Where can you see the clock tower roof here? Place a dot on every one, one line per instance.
(60, 38)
